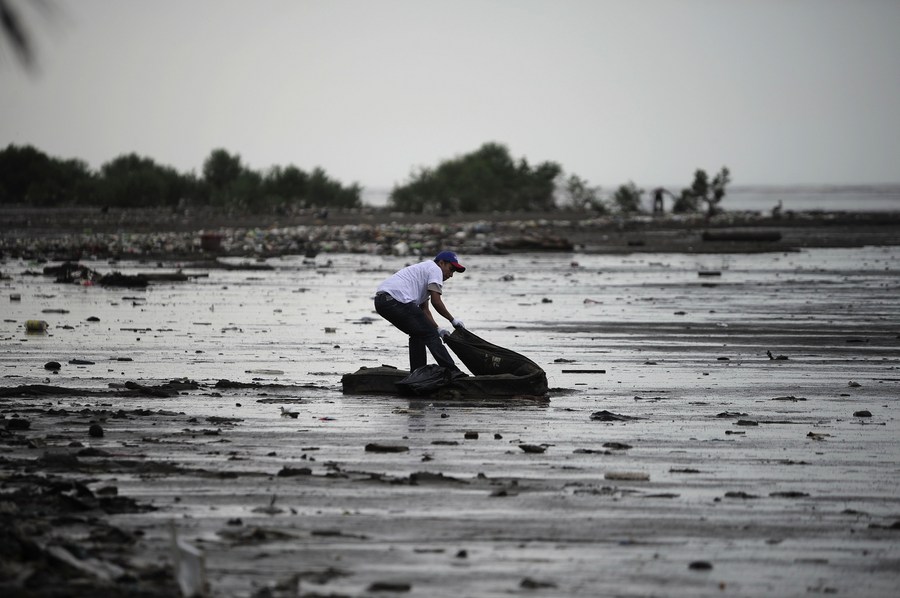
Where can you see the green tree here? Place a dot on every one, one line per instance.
(28, 175)
(701, 190)
(627, 198)
(323, 191)
(221, 172)
(132, 181)
(485, 180)
(581, 196)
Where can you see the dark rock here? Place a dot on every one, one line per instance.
(287, 472)
(863, 413)
(618, 446)
(788, 494)
(389, 586)
(52, 365)
(471, 435)
(741, 494)
(532, 448)
(18, 423)
(95, 431)
(700, 566)
(386, 448)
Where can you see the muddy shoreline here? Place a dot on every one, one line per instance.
(718, 424)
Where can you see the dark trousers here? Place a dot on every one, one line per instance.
(410, 318)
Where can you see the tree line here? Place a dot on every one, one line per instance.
(486, 180)
(31, 177)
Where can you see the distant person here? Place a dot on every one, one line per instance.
(403, 301)
(776, 211)
(658, 207)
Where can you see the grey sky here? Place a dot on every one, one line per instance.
(781, 91)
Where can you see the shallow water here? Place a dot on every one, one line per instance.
(679, 349)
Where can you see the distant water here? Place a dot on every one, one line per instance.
(759, 198)
(862, 198)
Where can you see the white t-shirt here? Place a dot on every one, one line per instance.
(411, 284)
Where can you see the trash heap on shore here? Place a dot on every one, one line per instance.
(139, 235)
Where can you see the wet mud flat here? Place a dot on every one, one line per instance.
(718, 425)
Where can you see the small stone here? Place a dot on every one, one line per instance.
(863, 413)
(95, 431)
(700, 566)
(532, 448)
(471, 435)
(52, 365)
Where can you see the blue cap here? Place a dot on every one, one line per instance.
(450, 258)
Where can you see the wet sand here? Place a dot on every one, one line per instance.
(696, 465)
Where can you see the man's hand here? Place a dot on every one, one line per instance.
(457, 323)
(444, 333)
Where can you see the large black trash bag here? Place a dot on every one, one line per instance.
(425, 380)
(486, 359)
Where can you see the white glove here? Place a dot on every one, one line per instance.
(443, 332)
(457, 323)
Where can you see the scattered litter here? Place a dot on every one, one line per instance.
(80, 362)
(270, 509)
(609, 416)
(730, 414)
(36, 326)
(190, 566)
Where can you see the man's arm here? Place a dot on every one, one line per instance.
(439, 306)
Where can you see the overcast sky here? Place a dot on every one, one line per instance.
(780, 91)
